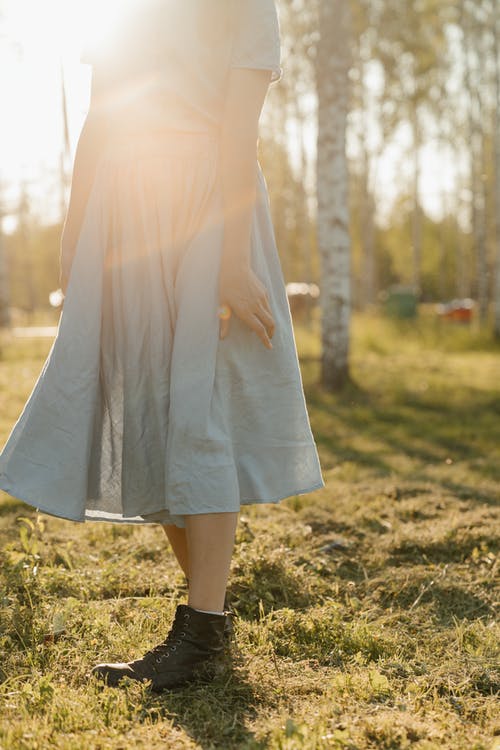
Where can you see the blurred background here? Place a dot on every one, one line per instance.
(416, 121)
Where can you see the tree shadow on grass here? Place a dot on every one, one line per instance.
(424, 427)
(330, 415)
(447, 602)
(451, 549)
(470, 493)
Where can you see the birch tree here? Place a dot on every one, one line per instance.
(496, 120)
(472, 32)
(333, 62)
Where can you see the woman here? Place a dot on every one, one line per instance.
(172, 392)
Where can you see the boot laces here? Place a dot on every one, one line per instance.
(173, 639)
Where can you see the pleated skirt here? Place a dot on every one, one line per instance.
(141, 413)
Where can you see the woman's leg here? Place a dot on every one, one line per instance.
(177, 538)
(195, 638)
(210, 543)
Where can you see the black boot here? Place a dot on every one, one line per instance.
(188, 653)
(228, 626)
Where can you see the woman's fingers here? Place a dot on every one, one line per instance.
(252, 321)
(266, 316)
(256, 325)
(248, 299)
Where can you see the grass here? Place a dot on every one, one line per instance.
(366, 610)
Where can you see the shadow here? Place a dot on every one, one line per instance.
(428, 427)
(12, 505)
(268, 584)
(473, 494)
(447, 603)
(449, 550)
(331, 415)
(215, 715)
(351, 570)
(327, 524)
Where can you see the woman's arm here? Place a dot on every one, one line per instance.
(239, 287)
(90, 143)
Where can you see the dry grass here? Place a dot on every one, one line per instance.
(366, 611)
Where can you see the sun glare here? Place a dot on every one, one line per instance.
(100, 20)
(41, 45)
(62, 26)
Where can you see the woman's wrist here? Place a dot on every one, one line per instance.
(232, 267)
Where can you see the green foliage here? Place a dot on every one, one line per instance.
(441, 242)
(322, 633)
(33, 260)
(366, 612)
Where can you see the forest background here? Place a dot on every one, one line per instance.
(424, 86)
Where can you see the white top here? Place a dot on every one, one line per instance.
(170, 58)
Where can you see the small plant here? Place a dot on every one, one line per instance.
(21, 563)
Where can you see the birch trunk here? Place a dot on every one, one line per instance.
(462, 282)
(305, 228)
(367, 232)
(416, 224)
(496, 290)
(482, 219)
(332, 67)
(476, 141)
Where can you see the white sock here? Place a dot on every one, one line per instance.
(208, 611)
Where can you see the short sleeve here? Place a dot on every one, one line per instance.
(256, 42)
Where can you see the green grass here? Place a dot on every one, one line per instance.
(366, 610)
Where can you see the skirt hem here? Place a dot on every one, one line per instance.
(138, 520)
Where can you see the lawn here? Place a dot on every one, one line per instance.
(365, 610)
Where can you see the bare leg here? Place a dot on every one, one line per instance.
(177, 538)
(210, 542)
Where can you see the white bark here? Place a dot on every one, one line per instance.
(367, 210)
(305, 228)
(416, 225)
(496, 290)
(333, 62)
(475, 116)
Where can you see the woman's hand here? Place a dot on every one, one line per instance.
(247, 298)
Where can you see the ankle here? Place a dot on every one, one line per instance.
(206, 605)
(207, 611)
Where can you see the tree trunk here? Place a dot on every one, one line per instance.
(462, 282)
(481, 216)
(367, 215)
(366, 201)
(333, 62)
(496, 291)
(416, 232)
(476, 141)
